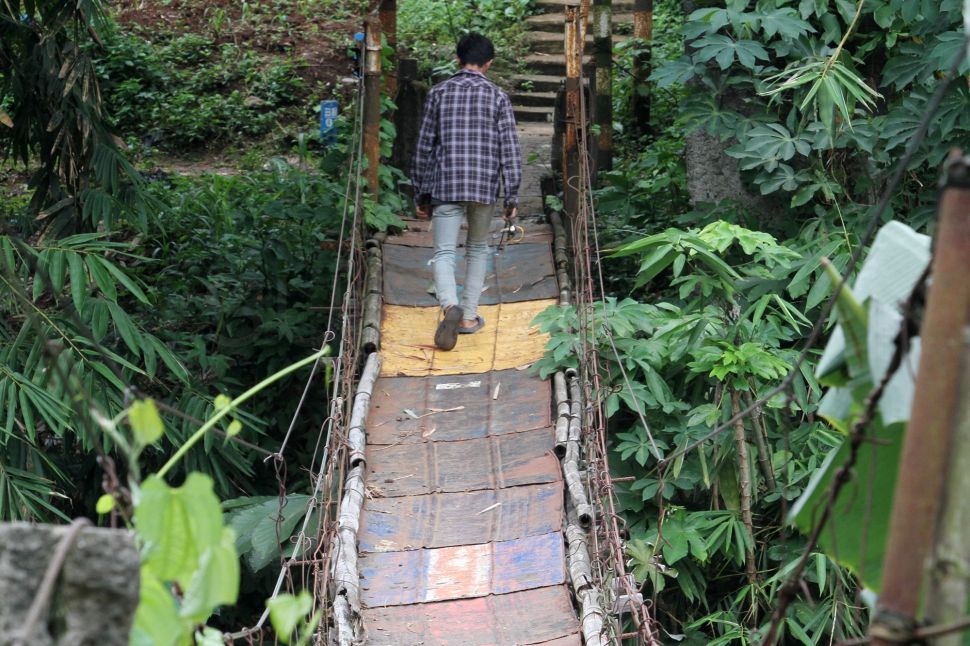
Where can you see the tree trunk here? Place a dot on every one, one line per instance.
(744, 485)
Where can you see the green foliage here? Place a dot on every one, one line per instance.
(725, 314)
(53, 120)
(188, 90)
(184, 542)
(261, 525)
(430, 29)
(814, 91)
(287, 612)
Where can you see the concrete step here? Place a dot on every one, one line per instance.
(553, 21)
(538, 82)
(540, 99)
(549, 64)
(547, 6)
(552, 43)
(532, 113)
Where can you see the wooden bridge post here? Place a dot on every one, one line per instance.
(372, 101)
(603, 59)
(937, 438)
(573, 86)
(642, 31)
(388, 14)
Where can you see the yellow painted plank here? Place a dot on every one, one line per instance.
(508, 340)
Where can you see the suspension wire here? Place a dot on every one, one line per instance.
(329, 334)
(326, 465)
(591, 369)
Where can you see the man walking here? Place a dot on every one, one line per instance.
(467, 141)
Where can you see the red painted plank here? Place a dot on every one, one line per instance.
(426, 575)
(446, 519)
(494, 403)
(469, 465)
(540, 616)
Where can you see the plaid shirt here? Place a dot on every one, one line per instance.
(467, 137)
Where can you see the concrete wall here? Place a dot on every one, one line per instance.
(95, 597)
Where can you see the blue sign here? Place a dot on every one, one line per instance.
(329, 110)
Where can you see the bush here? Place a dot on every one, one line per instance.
(188, 90)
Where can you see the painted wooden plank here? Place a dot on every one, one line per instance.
(419, 234)
(500, 620)
(406, 410)
(469, 465)
(447, 519)
(462, 572)
(519, 272)
(508, 340)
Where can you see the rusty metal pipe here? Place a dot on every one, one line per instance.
(922, 467)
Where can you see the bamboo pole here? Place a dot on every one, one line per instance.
(562, 413)
(936, 402)
(949, 568)
(603, 58)
(744, 484)
(760, 433)
(356, 437)
(372, 101)
(346, 575)
(343, 621)
(375, 272)
(571, 460)
(560, 257)
(581, 576)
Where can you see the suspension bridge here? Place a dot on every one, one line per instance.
(469, 500)
(459, 498)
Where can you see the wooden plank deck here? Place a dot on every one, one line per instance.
(461, 537)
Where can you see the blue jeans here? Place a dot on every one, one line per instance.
(446, 222)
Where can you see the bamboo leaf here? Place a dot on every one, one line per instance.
(125, 327)
(125, 280)
(79, 280)
(102, 278)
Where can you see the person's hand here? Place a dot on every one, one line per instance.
(423, 211)
(511, 213)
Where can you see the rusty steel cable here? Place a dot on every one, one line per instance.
(341, 385)
(609, 557)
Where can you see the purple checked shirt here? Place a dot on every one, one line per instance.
(467, 138)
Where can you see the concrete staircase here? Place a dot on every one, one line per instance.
(535, 92)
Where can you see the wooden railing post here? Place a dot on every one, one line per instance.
(388, 14)
(570, 147)
(931, 446)
(372, 101)
(642, 31)
(603, 59)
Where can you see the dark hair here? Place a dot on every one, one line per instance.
(475, 49)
